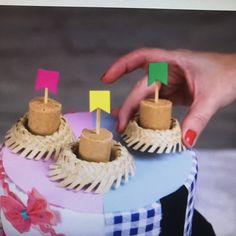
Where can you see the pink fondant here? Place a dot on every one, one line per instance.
(27, 174)
(78, 121)
(47, 79)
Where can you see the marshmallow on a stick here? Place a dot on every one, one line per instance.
(44, 118)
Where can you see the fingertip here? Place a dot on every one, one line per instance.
(190, 138)
(123, 120)
(121, 127)
(103, 77)
(195, 121)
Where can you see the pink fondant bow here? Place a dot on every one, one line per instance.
(36, 212)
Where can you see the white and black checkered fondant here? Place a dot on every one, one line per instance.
(144, 221)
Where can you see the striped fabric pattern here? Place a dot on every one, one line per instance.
(190, 184)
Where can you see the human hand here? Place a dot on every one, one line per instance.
(203, 81)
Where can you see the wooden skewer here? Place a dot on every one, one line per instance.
(157, 83)
(46, 95)
(98, 121)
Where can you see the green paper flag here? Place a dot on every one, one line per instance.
(158, 71)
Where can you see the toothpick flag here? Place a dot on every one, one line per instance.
(158, 71)
(99, 100)
(47, 79)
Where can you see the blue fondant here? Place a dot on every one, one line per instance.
(150, 213)
(191, 200)
(118, 219)
(156, 176)
(117, 233)
(149, 227)
(192, 186)
(134, 231)
(135, 217)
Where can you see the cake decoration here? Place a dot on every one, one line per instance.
(48, 80)
(42, 132)
(154, 129)
(37, 211)
(158, 141)
(44, 118)
(95, 162)
(95, 145)
(76, 174)
(20, 140)
(44, 114)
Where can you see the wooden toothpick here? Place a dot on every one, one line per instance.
(157, 84)
(98, 120)
(46, 95)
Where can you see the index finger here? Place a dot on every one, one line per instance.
(136, 59)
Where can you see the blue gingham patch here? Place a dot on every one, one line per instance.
(144, 221)
(190, 184)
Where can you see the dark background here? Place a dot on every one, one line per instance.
(82, 42)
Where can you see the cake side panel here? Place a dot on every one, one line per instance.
(34, 174)
(171, 215)
(190, 184)
(143, 221)
(173, 212)
(70, 223)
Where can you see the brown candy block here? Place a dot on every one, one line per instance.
(155, 115)
(95, 147)
(44, 118)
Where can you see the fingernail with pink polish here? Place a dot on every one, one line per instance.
(190, 137)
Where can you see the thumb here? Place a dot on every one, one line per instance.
(196, 120)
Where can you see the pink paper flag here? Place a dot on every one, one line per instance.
(47, 79)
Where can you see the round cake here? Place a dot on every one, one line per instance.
(158, 200)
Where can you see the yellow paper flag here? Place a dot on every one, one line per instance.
(100, 99)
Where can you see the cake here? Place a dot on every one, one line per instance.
(65, 175)
(158, 200)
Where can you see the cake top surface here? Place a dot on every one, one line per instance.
(156, 176)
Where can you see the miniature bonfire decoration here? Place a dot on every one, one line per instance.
(95, 162)
(42, 132)
(154, 130)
